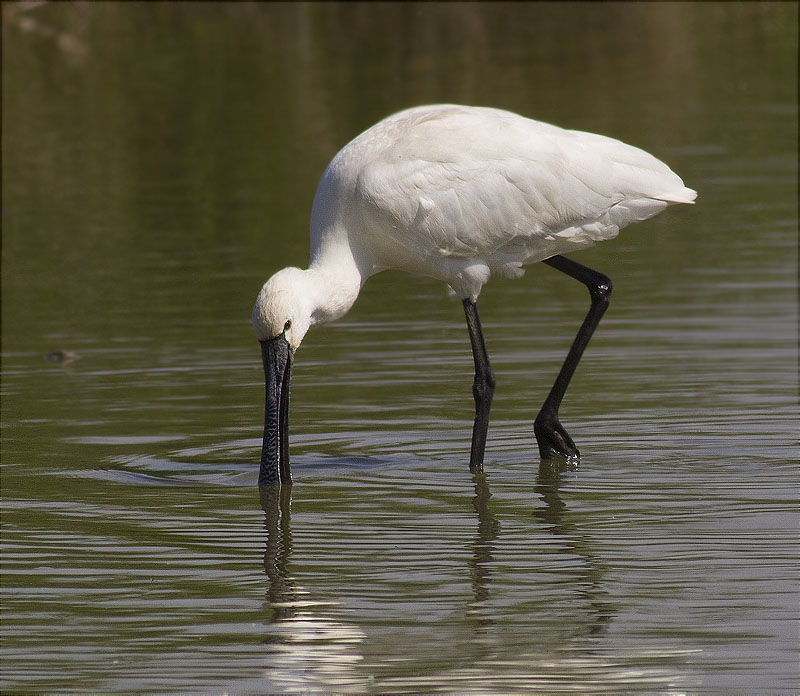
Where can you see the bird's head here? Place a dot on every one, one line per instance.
(288, 304)
(281, 318)
(283, 307)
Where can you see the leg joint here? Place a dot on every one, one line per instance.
(599, 284)
(600, 289)
(603, 288)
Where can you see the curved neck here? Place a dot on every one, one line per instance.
(336, 281)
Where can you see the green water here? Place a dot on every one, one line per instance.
(159, 162)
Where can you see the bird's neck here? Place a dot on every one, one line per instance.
(336, 280)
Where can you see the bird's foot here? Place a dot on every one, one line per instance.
(554, 441)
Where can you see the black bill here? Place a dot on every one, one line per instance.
(277, 356)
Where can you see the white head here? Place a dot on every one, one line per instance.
(284, 305)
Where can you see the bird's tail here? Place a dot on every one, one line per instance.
(686, 195)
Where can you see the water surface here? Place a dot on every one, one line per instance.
(159, 162)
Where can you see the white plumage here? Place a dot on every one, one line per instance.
(453, 184)
(458, 193)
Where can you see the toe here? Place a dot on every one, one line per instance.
(554, 441)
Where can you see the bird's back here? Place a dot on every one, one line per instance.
(433, 188)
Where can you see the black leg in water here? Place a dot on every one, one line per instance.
(482, 387)
(553, 439)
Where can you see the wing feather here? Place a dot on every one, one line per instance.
(491, 185)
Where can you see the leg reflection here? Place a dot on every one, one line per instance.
(548, 481)
(483, 545)
(553, 515)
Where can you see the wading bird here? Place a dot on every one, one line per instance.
(456, 193)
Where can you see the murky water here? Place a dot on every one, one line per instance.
(159, 163)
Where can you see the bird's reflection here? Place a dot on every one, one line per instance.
(276, 501)
(483, 545)
(548, 481)
(553, 515)
(556, 519)
(307, 637)
(306, 643)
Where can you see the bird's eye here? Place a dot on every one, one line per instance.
(287, 325)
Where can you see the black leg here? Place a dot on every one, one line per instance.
(482, 388)
(553, 439)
